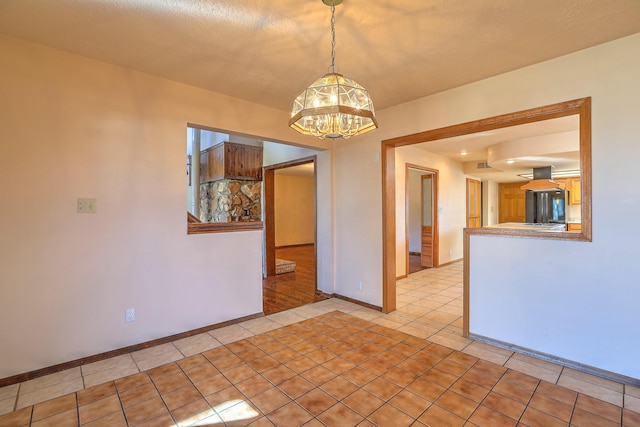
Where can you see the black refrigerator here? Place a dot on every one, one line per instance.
(545, 207)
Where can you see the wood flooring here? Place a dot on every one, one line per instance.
(415, 264)
(289, 290)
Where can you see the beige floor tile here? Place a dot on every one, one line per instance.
(336, 304)
(632, 391)
(554, 367)
(102, 377)
(309, 312)
(449, 340)
(195, 339)
(367, 314)
(153, 352)
(420, 332)
(451, 309)
(285, 318)
(590, 389)
(534, 370)
(7, 405)
(159, 360)
(632, 403)
(47, 393)
(459, 303)
(397, 318)
(200, 347)
(406, 299)
(104, 365)
(453, 329)
(425, 329)
(414, 310)
(427, 304)
(230, 334)
(482, 352)
(594, 380)
(260, 325)
(9, 392)
(196, 344)
(408, 315)
(383, 321)
(50, 380)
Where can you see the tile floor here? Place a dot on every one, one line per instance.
(328, 363)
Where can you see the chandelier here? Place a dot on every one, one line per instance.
(333, 106)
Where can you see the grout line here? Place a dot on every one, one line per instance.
(15, 403)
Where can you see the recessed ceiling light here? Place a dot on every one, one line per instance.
(463, 153)
(510, 161)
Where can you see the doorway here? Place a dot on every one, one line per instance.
(580, 107)
(421, 218)
(289, 272)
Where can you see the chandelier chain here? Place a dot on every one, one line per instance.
(333, 37)
(333, 106)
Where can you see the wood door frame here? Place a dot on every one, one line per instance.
(268, 173)
(434, 194)
(580, 107)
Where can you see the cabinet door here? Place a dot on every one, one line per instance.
(474, 203)
(243, 162)
(574, 191)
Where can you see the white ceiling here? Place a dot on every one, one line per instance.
(268, 51)
(527, 145)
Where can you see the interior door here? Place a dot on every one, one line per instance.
(474, 203)
(426, 252)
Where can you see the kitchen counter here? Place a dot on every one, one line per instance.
(530, 226)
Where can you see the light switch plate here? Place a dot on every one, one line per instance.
(87, 205)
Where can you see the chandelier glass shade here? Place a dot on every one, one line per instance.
(333, 106)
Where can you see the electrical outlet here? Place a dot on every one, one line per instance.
(130, 315)
(360, 286)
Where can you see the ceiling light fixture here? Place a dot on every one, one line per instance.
(333, 106)
(558, 174)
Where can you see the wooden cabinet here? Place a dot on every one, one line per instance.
(574, 227)
(511, 202)
(571, 184)
(574, 190)
(474, 203)
(228, 160)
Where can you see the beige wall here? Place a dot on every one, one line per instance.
(451, 204)
(294, 209)
(73, 127)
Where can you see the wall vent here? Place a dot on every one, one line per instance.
(483, 165)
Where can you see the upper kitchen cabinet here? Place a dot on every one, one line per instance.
(229, 160)
(571, 184)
